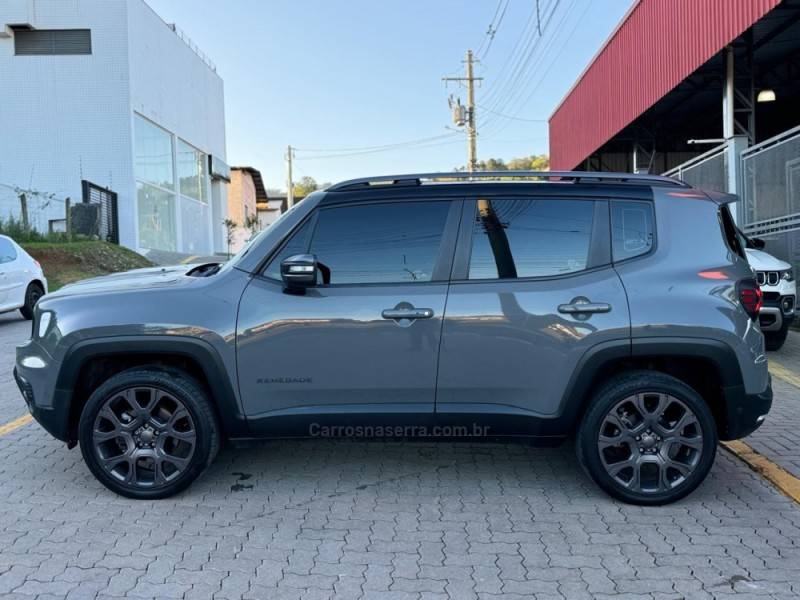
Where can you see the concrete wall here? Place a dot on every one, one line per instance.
(241, 204)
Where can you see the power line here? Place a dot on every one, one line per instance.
(493, 30)
(394, 148)
(378, 147)
(504, 116)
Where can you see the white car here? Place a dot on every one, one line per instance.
(780, 293)
(22, 281)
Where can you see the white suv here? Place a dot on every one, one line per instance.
(780, 293)
(22, 281)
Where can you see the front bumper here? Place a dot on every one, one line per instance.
(776, 311)
(744, 412)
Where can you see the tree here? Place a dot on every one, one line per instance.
(305, 186)
(230, 228)
(252, 223)
(534, 162)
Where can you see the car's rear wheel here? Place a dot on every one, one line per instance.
(148, 433)
(647, 438)
(32, 295)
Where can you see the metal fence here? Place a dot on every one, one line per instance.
(103, 221)
(708, 171)
(771, 186)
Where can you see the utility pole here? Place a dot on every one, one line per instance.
(471, 122)
(289, 183)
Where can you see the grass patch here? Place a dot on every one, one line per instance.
(69, 262)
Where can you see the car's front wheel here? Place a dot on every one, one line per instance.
(32, 295)
(647, 438)
(148, 432)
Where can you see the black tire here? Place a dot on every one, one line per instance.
(165, 390)
(774, 340)
(599, 419)
(32, 295)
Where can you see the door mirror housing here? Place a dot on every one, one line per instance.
(299, 272)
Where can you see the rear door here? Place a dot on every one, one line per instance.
(533, 290)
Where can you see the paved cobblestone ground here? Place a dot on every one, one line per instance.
(779, 438)
(376, 520)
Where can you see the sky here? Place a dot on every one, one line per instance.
(356, 85)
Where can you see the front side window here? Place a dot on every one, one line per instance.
(380, 243)
(8, 252)
(514, 238)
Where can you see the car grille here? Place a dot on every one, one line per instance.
(768, 277)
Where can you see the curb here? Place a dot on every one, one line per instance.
(787, 484)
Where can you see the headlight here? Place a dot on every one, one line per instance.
(44, 323)
(787, 275)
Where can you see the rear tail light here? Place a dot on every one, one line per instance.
(751, 297)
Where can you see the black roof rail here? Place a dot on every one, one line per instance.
(461, 176)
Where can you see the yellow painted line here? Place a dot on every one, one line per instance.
(15, 424)
(785, 374)
(189, 259)
(787, 483)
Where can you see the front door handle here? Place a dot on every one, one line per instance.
(583, 306)
(407, 313)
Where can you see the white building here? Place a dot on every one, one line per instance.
(106, 91)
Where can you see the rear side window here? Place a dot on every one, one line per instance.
(632, 232)
(514, 238)
(8, 252)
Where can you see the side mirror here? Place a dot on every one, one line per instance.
(756, 243)
(299, 272)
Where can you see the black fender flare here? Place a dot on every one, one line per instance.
(602, 355)
(200, 351)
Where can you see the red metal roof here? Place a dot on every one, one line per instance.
(657, 45)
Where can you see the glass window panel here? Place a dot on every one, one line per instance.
(156, 218)
(8, 253)
(194, 226)
(380, 243)
(297, 244)
(631, 228)
(530, 238)
(192, 170)
(153, 147)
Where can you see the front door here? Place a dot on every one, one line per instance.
(533, 290)
(364, 340)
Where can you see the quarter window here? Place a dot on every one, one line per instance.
(631, 229)
(380, 243)
(514, 238)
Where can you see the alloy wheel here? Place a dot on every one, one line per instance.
(650, 442)
(144, 437)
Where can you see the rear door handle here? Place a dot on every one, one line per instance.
(576, 307)
(407, 313)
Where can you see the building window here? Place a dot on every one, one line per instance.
(38, 42)
(192, 171)
(153, 154)
(156, 218)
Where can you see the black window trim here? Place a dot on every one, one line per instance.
(460, 271)
(444, 260)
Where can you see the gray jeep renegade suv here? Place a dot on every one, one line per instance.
(613, 307)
